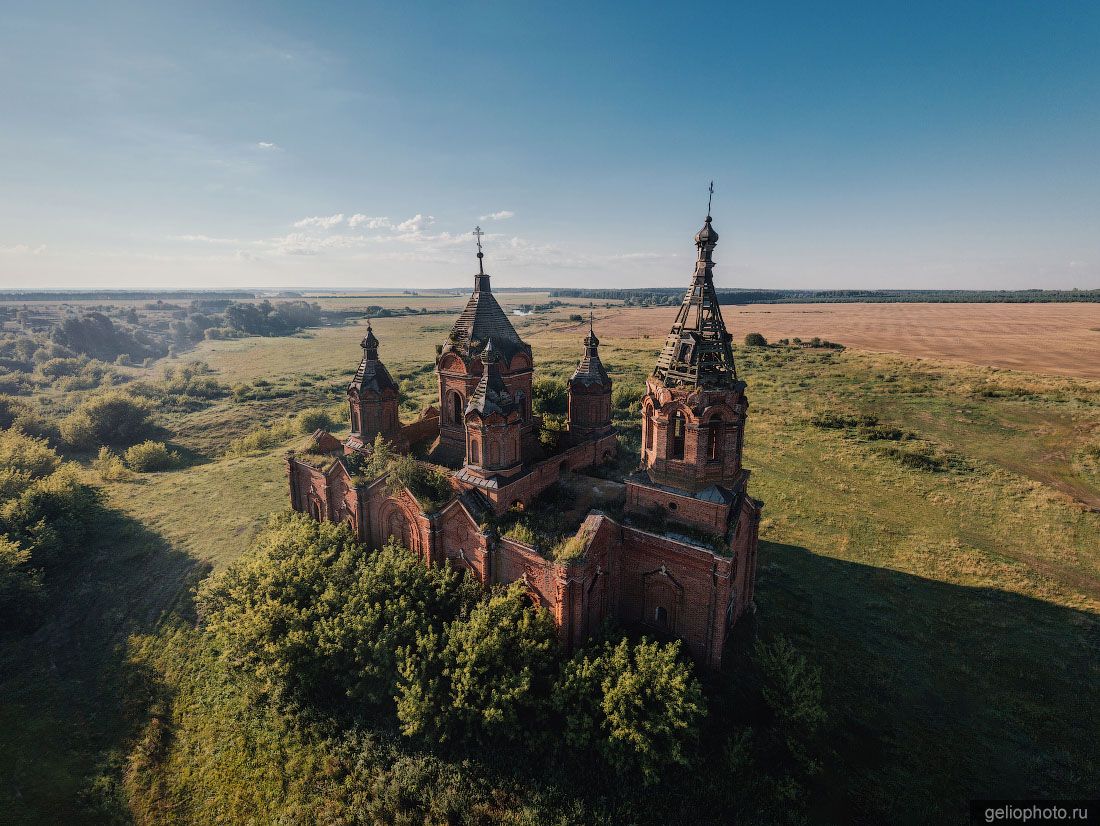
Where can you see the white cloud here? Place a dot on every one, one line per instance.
(321, 221)
(267, 145)
(503, 215)
(416, 223)
(23, 249)
(359, 219)
(204, 239)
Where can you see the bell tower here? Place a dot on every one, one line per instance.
(694, 407)
(372, 396)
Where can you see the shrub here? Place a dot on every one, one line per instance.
(627, 396)
(637, 706)
(429, 485)
(110, 466)
(261, 439)
(25, 454)
(915, 459)
(312, 419)
(51, 515)
(113, 418)
(150, 456)
(755, 340)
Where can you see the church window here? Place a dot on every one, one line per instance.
(474, 452)
(649, 432)
(678, 429)
(660, 617)
(714, 439)
(494, 454)
(456, 407)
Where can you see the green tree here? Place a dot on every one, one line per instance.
(637, 706)
(265, 610)
(395, 599)
(51, 515)
(791, 689)
(112, 418)
(484, 678)
(550, 395)
(755, 340)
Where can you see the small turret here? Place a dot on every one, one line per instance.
(589, 393)
(493, 418)
(372, 395)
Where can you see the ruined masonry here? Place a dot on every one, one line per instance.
(671, 549)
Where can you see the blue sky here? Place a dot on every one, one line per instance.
(874, 144)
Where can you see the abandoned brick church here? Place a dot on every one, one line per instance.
(670, 547)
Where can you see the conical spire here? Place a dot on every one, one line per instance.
(698, 351)
(590, 370)
(483, 319)
(372, 374)
(370, 343)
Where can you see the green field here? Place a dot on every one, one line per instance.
(951, 601)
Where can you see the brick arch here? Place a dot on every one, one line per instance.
(396, 521)
(454, 406)
(662, 597)
(727, 413)
(519, 361)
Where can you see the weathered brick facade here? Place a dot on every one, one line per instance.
(681, 560)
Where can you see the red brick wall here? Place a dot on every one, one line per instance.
(710, 516)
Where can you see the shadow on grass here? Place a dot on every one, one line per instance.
(937, 693)
(66, 699)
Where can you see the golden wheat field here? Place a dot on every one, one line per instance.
(1060, 339)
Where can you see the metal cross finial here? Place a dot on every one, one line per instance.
(711, 198)
(591, 314)
(480, 255)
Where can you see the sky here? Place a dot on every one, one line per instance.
(356, 145)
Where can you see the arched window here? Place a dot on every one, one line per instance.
(456, 407)
(714, 439)
(678, 427)
(355, 421)
(475, 457)
(649, 432)
(660, 617)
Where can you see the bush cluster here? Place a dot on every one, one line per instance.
(112, 418)
(315, 618)
(46, 513)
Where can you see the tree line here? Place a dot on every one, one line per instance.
(665, 296)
